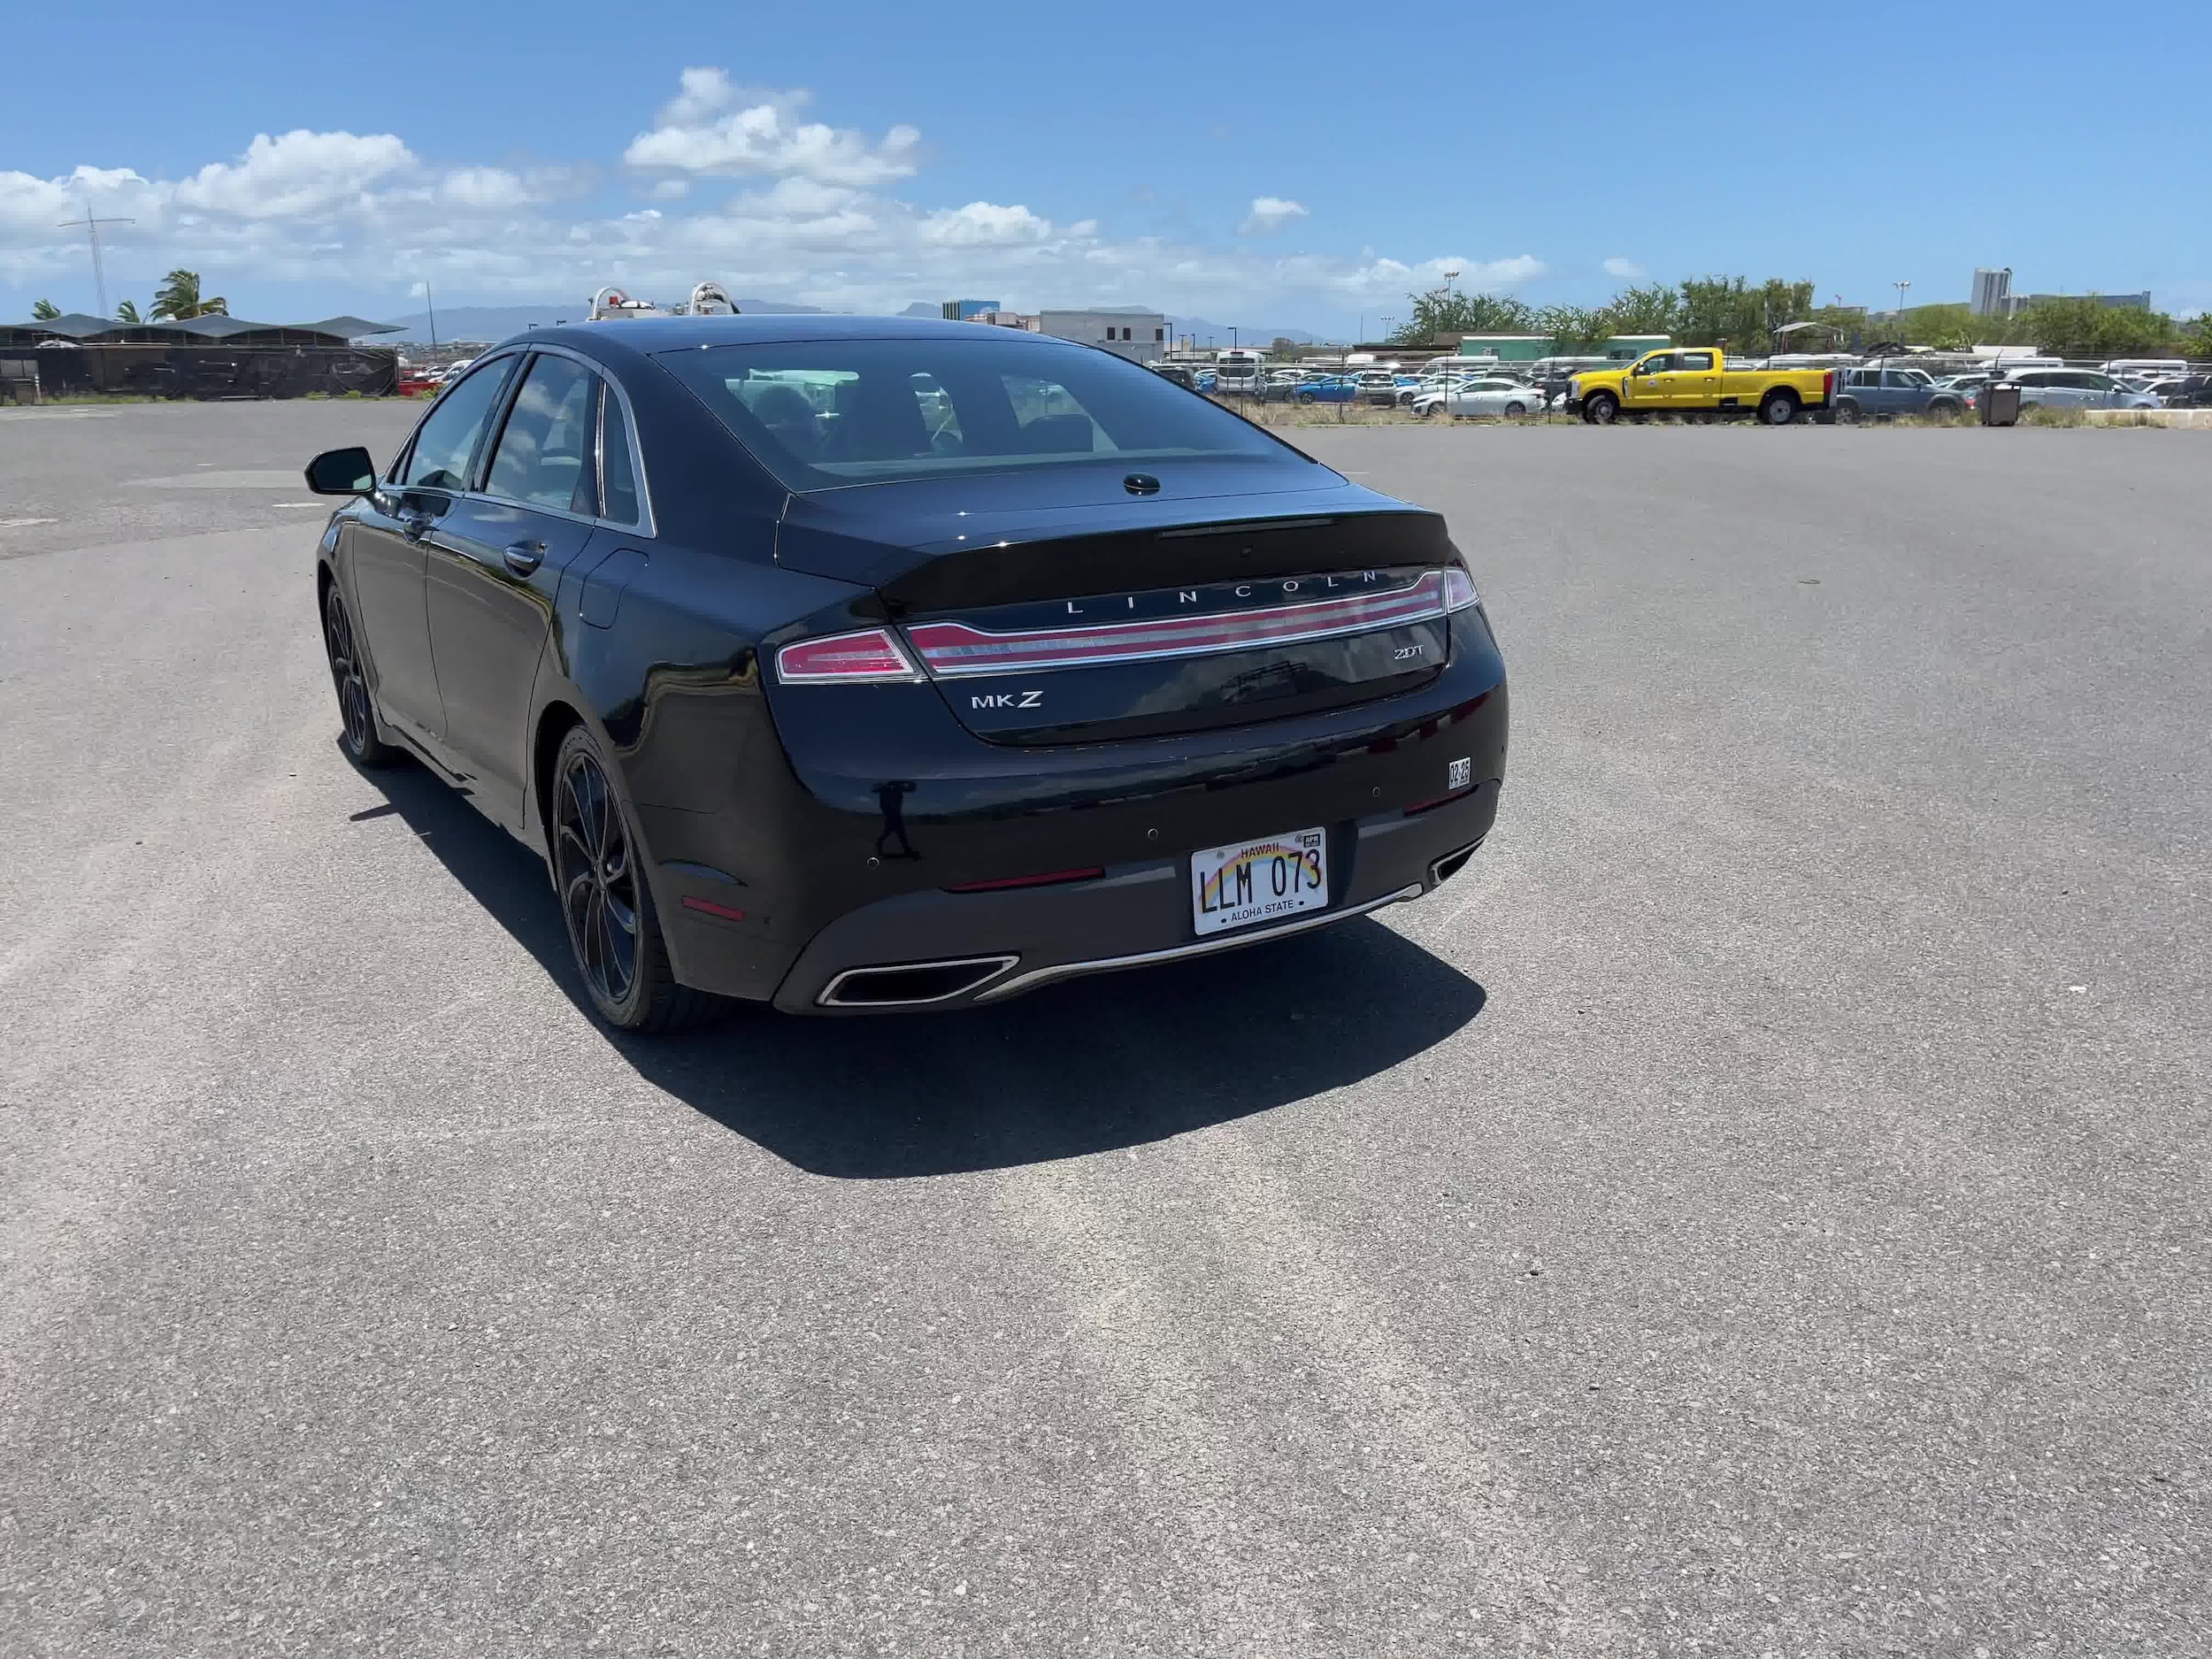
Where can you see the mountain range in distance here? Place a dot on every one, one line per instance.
(486, 323)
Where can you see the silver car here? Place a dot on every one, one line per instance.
(1494, 395)
(2079, 389)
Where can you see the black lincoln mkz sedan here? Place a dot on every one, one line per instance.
(856, 664)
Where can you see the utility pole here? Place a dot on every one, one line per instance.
(433, 304)
(92, 232)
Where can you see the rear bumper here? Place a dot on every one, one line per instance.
(1135, 915)
(844, 856)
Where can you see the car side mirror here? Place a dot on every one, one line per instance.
(342, 473)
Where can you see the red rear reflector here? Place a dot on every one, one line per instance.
(711, 908)
(871, 654)
(1420, 807)
(1045, 880)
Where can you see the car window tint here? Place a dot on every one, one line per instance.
(618, 475)
(823, 414)
(1049, 420)
(940, 418)
(547, 440)
(447, 439)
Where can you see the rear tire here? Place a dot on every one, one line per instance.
(1946, 408)
(1305, 397)
(1602, 409)
(1778, 408)
(614, 933)
(1513, 411)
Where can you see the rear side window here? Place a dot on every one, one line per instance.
(616, 470)
(545, 449)
(444, 448)
(1701, 361)
(829, 413)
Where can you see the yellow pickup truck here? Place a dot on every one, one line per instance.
(1682, 379)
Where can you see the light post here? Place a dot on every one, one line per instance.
(1901, 287)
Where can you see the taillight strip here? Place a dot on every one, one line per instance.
(954, 649)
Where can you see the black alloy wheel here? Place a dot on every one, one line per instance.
(363, 746)
(598, 881)
(613, 932)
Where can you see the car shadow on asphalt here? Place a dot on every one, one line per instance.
(1091, 1065)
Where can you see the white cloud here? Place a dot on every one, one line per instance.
(1268, 214)
(705, 128)
(485, 187)
(300, 174)
(984, 223)
(819, 215)
(1627, 270)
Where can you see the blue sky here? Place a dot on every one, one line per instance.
(1285, 165)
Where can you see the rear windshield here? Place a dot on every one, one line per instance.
(832, 413)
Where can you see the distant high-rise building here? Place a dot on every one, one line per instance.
(965, 311)
(1993, 293)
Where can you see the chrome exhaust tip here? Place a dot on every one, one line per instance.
(912, 984)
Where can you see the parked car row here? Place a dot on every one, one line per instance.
(1703, 379)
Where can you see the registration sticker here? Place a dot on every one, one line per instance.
(1259, 881)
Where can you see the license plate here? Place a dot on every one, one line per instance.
(1259, 881)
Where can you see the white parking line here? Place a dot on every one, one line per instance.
(18, 524)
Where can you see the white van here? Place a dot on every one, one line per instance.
(1237, 371)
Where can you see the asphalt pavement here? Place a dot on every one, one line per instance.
(1760, 1209)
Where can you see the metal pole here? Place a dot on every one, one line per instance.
(433, 316)
(92, 233)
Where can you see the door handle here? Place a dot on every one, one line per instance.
(524, 557)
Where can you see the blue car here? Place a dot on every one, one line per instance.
(1330, 389)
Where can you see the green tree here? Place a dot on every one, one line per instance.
(1717, 308)
(178, 299)
(1442, 313)
(45, 310)
(2197, 337)
(1655, 308)
(1573, 329)
(2090, 328)
(128, 312)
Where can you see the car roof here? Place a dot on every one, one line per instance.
(652, 334)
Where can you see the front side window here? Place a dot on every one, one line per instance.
(544, 454)
(830, 414)
(444, 446)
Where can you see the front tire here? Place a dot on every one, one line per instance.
(357, 709)
(1847, 410)
(614, 934)
(1602, 409)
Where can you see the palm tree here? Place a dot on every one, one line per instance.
(128, 312)
(45, 310)
(178, 299)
